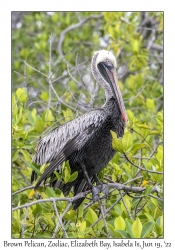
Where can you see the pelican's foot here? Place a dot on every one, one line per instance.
(104, 189)
(95, 193)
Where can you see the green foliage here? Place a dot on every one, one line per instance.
(37, 67)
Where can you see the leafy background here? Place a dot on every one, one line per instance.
(52, 84)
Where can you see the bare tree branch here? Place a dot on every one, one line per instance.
(24, 223)
(124, 203)
(35, 69)
(59, 223)
(144, 169)
(72, 27)
(157, 47)
(22, 190)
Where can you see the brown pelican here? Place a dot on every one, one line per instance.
(86, 140)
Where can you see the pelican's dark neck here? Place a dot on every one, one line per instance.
(112, 109)
(111, 106)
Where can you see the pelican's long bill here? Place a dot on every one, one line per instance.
(108, 71)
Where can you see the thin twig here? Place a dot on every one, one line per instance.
(24, 222)
(113, 205)
(156, 197)
(66, 209)
(124, 203)
(144, 169)
(102, 213)
(59, 223)
(50, 73)
(139, 177)
(135, 213)
(18, 99)
(35, 69)
(131, 99)
(73, 26)
(22, 190)
(65, 75)
(60, 100)
(23, 176)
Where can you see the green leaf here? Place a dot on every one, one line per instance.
(124, 234)
(82, 226)
(135, 45)
(157, 177)
(48, 117)
(91, 216)
(15, 155)
(127, 141)
(39, 125)
(27, 146)
(130, 115)
(159, 222)
(22, 94)
(67, 114)
(148, 190)
(126, 168)
(117, 169)
(80, 211)
(44, 96)
(147, 228)
(33, 114)
(136, 147)
(150, 218)
(50, 192)
(160, 117)
(55, 17)
(49, 220)
(37, 210)
(154, 161)
(26, 155)
(150, 104)
(35, 167)
(159, 155)
(73, 176)
(71, 215)
(157, 212)
(116, 143)
(157, 229)
(118, 209)
(119, 223)
(20, 114)
(129, 226)
(128, 204)
(137, 228)
(143, 126)
(112, 231)
(154, 132)
(14, 106)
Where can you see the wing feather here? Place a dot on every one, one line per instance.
(52, 144)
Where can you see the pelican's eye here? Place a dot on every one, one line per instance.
(109, 64)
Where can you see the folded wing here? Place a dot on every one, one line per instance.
(62, 141)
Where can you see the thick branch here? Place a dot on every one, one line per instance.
(117, 186)
(157, 47)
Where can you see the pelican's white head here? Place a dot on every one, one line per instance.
(104, 55)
